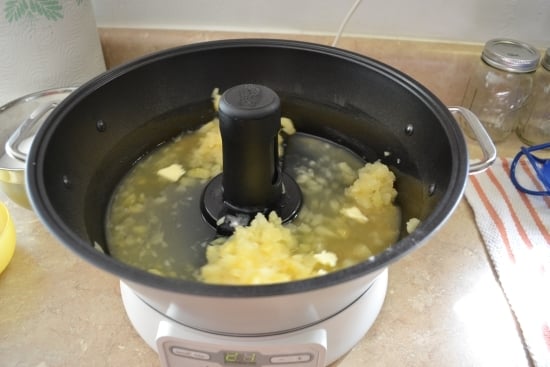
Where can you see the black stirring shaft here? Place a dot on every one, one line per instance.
(252, 181)
(249, 123)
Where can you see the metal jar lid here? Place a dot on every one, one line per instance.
(511, 55)
(546, 60)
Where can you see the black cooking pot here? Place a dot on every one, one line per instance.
(95, 135)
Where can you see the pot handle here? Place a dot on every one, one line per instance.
(483, 139)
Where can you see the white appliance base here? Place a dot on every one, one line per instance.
(324, 342)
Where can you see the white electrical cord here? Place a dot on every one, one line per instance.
(345, 22)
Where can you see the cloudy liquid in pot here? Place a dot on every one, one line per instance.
(156, 224)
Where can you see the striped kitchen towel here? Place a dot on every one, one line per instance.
(515, 228)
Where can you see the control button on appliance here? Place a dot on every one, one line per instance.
(295, 358)
(187, 353)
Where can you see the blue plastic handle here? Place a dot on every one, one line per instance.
(541, 167)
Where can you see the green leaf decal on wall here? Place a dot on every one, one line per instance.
(15, 10)
(51, 9)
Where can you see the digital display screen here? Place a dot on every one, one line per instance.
(231, 357)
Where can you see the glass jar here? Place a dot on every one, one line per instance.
(534, 127)
(500, 85)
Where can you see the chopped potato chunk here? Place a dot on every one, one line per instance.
(172, 173)
(412, 224)
(355, 214)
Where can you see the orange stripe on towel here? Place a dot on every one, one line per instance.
(494, 216)
(513, 213)
(546, 334)
(525, 199)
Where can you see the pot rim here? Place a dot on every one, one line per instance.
(444, 208)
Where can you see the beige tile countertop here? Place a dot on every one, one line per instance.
(444, 306)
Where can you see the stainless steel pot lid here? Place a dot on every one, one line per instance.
(20, 119)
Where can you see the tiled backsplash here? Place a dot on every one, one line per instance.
(450, 62)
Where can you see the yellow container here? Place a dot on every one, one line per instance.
(7, 237)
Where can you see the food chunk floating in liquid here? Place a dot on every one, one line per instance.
(348, 214)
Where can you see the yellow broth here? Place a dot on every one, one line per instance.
(155, 223)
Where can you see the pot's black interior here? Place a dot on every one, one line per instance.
(91, 140)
